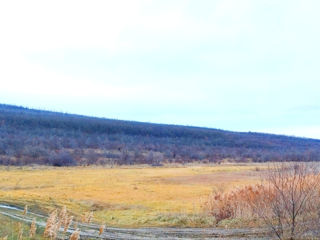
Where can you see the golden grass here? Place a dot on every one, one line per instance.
(127, 196)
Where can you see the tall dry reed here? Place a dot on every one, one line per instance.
(51, 225)
(56, 221)
(87, 217)
(20, 232)
(33, 229)
(75, 235)
(25, 210)
(101, 228)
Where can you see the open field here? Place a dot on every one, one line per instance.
(125, 197)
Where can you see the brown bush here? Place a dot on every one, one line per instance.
(234, 204)
(287, 201)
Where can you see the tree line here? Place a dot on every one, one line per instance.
(30, 136)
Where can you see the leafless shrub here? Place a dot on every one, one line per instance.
(287, 201)
(291, 203)
(234, 204)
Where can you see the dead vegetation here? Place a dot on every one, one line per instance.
(58, 222)
(87, 217)
(33, 229)
(20, 231)
(75, 235)
(234, 204)
(287, 201)
(153, 192)
(57, 225)
(61, 220)
(101, 229)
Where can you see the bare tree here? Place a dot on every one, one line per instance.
(290, 204)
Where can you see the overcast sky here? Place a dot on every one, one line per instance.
(231, 64)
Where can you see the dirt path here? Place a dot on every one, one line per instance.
(90, 231)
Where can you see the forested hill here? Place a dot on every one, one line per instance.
(32, 136)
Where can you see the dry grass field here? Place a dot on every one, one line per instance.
(128, 196)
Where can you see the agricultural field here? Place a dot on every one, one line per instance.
(137, 196)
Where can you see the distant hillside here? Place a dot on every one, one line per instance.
(33, 136)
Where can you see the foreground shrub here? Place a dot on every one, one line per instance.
(234, 204)
(287, 201)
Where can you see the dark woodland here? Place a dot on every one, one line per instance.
(29, 136)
